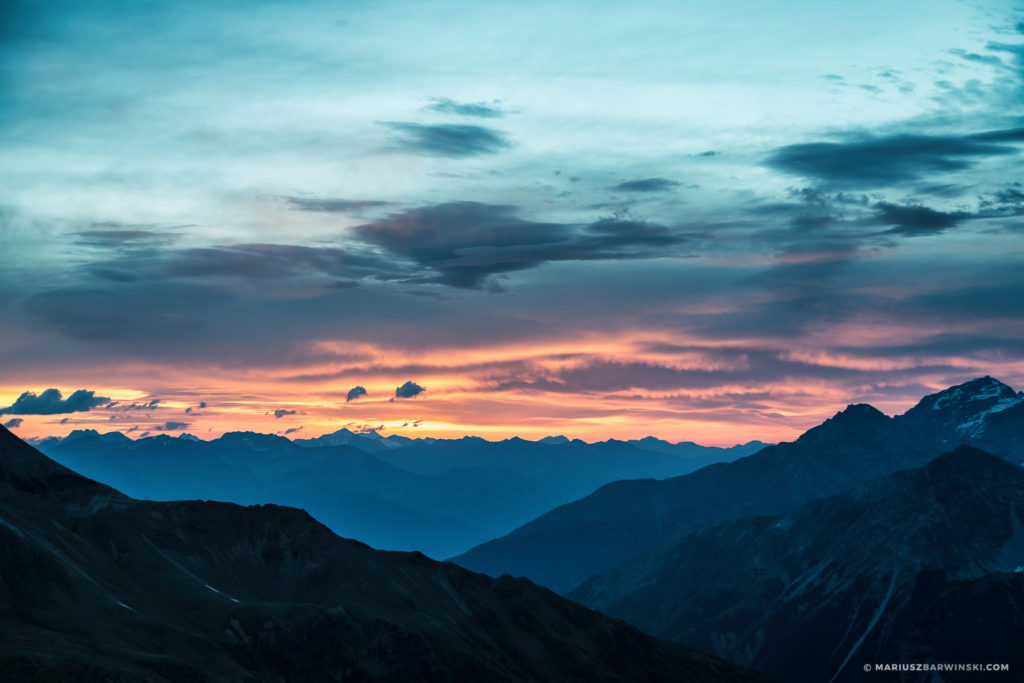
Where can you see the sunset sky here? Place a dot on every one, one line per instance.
(707, 221)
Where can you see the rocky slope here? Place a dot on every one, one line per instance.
(866, 576)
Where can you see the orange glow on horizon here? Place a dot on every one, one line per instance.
(579, 389)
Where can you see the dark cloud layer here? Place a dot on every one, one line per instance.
(464, 242)
(877, 161)
(447, 140)
(50, 402)
(601, 376)
(240, 263)
(482, 110)
(752, 365)
(646, 185)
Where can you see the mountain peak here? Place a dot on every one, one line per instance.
(861, 411)
(76, 434)
(980, 389)
(961, 411)
(855, 418)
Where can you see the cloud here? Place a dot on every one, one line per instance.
(482, 110)
(975, 57)
(646, 185)
(13, 423)
(408, 390)
(281, 412)
(172, 426)
(354, 393)
(50, 403)
(465, 242)
(121, 237)
(202, 404)
(152, 404)
(334, 205)
(916, 220)
(447, 140)
(876, 161)
(292, 430)
(237, 264)
(263, 261)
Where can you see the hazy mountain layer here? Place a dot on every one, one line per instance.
(437, 496)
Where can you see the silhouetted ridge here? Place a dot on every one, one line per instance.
(24, 470)
(967, 461)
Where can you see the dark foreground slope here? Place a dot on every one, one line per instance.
(913, 567)
(97, 586)
(619, 521)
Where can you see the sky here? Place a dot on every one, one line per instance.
(706, 221)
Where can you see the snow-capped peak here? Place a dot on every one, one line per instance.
(977, 390)
(962, 411)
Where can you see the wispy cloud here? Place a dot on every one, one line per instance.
(484, 110)
(334, 205)
(646, 185)
(447, 140)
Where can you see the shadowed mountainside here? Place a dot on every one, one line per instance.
(99, 586)
(866, 576)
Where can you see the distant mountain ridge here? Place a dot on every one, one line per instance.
(440, 496)
(99, 586)
(621, 520)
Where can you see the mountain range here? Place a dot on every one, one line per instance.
(439, 496)
(868, 540)
(98, 586)
(622, 520)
